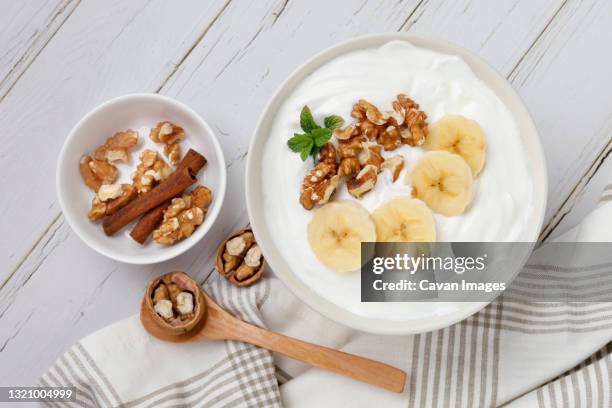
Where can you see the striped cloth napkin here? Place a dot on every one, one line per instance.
(512, 352)
(123, 366)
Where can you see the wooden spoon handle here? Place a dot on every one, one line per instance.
(359, 368)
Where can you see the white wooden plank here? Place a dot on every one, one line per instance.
(565, 82)
(105, 49)
(497, 31)
(25, 28)
(233, 59)
(585, 198)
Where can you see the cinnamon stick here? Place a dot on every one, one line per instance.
(149, 222)
(193, 161)
(176, 183)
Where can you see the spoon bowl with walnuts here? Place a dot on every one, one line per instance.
(176, 309)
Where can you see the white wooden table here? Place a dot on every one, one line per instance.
(224, 58)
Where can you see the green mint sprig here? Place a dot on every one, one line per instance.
(314, 137)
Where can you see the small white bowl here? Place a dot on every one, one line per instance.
(135, 111)
(442, 314)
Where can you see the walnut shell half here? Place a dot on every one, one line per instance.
(233, 275)
(176, 282)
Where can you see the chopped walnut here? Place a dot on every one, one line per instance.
(96, 172)
(102, 206)
(347, 132)
(328, 154)
(201, 197)
(150, 171)
(173, 153)
(183, 216)
(370, 130)
(116, 147)
(363, 182)
(415, 129)
(390, 138)
(349, 166)
(351, 147)
(170, 135)
(370, 154)
(109, 191)
(319, 185)
(363, 110)
(395, 164)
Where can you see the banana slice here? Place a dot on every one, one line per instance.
(335, 234)
(404, 219)
(443, 181)
(460, 135)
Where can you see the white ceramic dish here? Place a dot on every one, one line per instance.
(136, 111)
(445, 314)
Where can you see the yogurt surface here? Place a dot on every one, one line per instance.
(441, 84)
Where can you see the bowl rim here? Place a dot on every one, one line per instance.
(162, 255)
(254, 198)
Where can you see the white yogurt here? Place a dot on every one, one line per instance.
(441, 84)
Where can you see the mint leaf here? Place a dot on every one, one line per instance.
(299, 142)
(333, 121)
(321, 136)
(306, 151)
(307, 122)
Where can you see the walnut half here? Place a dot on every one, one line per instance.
(170, 135)
(117, 146)
(150, 171)
(110, 199)
(239, 258)
(95, 173)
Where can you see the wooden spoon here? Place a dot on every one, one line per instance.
(218, 324)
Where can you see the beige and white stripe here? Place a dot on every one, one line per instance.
(457, 366)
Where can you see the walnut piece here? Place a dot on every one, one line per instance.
(182, 217)
(253, 256)
(235, 250)
(97, 172)
(370, 154)
(363, 182)
(116, 147)
(347, 132)
(415, 129)
(349, 167)
(170, 135)
(103, 206)
(319, 185)
(328, 154)
(390, 138)
(109, 191)
(163, 307)
(150, 171)
(395, 164)
(184, 303)
(363, 110)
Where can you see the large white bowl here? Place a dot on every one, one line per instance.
(135, 111)
(445, 316)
